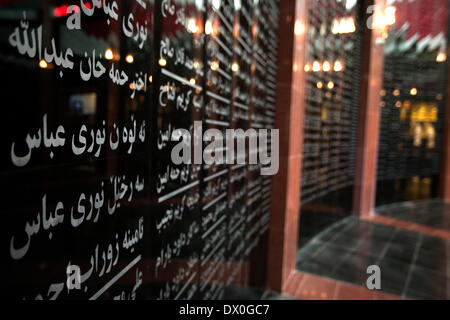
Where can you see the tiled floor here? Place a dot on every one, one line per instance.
(432, 213)
(412, 265)
(248, 293)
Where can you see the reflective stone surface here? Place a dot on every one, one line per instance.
(412, 265)
(94, 206)
(431, 213)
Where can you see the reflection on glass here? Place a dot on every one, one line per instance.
(414, 83)
(331, 113)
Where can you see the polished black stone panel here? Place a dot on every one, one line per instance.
(412, 265)
(98, 95)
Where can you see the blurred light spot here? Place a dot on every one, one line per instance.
(441, 57)
(214, 65)
(316, 66)
(162, 62)
(216, 4)
(129, 58)
(43, 64)
(338, 66)
(299, 28)
(389, 15)
(192, 26)
(237, 5)
(109, 54)
(330, 85)
(208, 27)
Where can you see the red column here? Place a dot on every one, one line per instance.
(369, 119)
(289, 120)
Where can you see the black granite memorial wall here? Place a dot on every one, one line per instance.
(94, 206)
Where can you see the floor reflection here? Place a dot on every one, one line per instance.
(412, 265)
(432, 213)
(249, 293)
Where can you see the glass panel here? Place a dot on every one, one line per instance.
(331, 114)
(413, 101)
